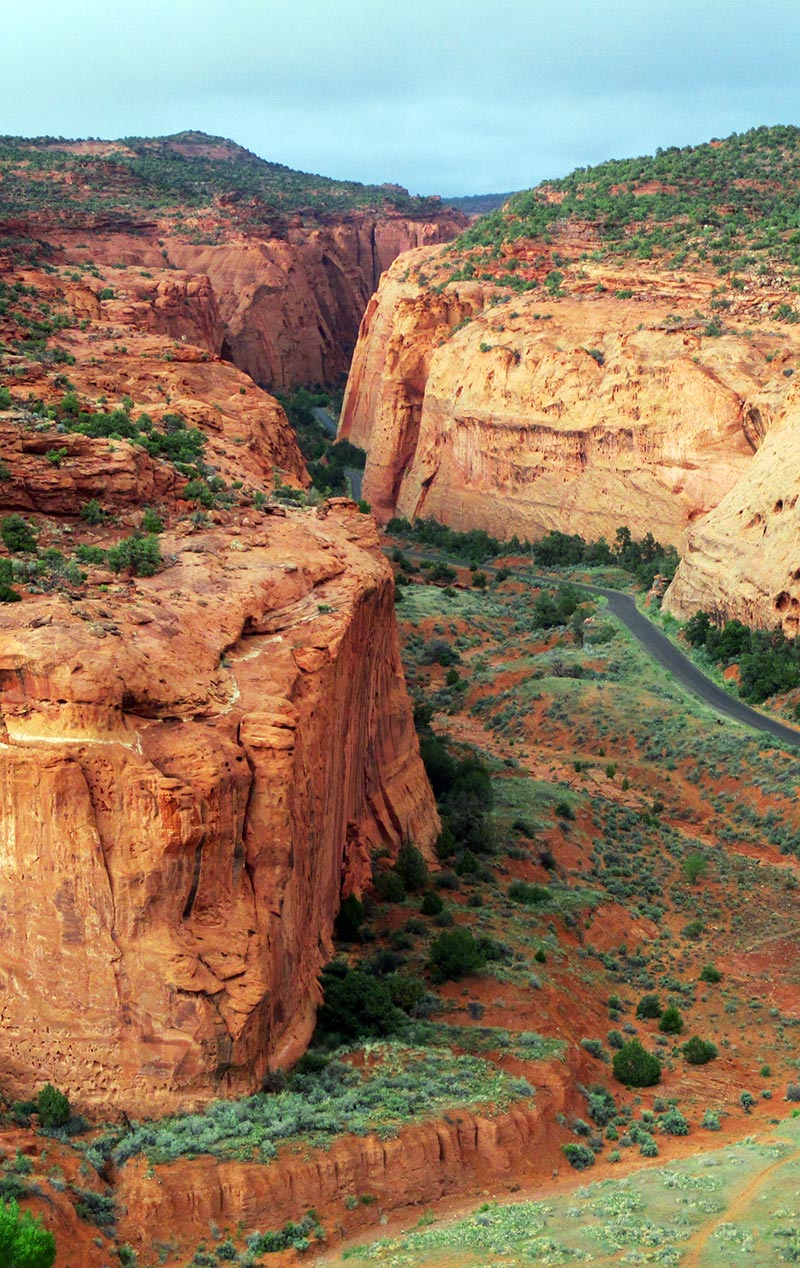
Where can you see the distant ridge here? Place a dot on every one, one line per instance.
(477, 204)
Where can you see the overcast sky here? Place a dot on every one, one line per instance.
(446, 97)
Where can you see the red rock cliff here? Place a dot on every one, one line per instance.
(194, 766)
(580, 414)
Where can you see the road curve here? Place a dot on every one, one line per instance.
(657, 645)
(683, 671)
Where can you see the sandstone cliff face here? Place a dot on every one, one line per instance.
(579, 415)
(292, 307)
(192, 768)
(282, 306)
(743, 559)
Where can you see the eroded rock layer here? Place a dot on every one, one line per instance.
(191, 771)
(743, 560)
(520, 415)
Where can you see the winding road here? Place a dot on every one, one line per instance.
(683, 671)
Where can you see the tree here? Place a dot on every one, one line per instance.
(636, 1067)
(695, 868)
(671, 1021)
(52, 1107)
(23, 1241)
(411, 867)
(455, 954)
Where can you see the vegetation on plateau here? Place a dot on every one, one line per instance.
(730, 205)
(180, 172)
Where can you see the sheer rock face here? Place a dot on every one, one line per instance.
(191, 773)
(579, 414)
(743, 560)
(292, 307)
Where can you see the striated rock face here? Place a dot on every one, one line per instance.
(190, 772)
(743, 560)
(579, 415)
(292, 306)
(194, 766)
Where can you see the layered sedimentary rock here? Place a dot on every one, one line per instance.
(292, 306)
(520, 415)
(192, 770)
(743, 560)
(194, 766)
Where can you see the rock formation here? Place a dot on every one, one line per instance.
(195, 765)
(579, 414)
(743, 559)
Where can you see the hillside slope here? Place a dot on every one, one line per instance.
(292, 258)
(610, 348)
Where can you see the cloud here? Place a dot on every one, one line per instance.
(456, 97)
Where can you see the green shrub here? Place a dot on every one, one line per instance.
(23, 1241)
(6, 399)
(648, 1007)
(528, 894)
(356, 1005)
(635, 1067)
(52, 1107)
(699, 1051)
(710, 974)
(671, 1022)
(711, 1120)
(349, 919)
(578, 1156)
(602, 1107)
(92, 512)
(18, 535)
(151, 521)
(138, 554)
(673, 1123)
(411, 868)
(648, 1147)
(431, 903)
(455, 954)
(390, 887)
(594, 1047)
(7, 592)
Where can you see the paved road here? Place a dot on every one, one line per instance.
(682, 669)
(657, 645)
(355, 478)
(326, 418)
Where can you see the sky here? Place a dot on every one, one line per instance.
(473, 96)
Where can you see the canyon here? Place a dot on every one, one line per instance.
(525, 380)
(213, 716)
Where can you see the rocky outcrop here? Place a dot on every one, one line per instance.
(743, 560)
(578, 414)
(192, 769)
(292, 306)
(465, 1152)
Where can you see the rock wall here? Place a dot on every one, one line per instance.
(292, 307)
(743, 560)
(190, 772)
(523, 414)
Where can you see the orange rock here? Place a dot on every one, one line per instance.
(183, 801)
(579, 414)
